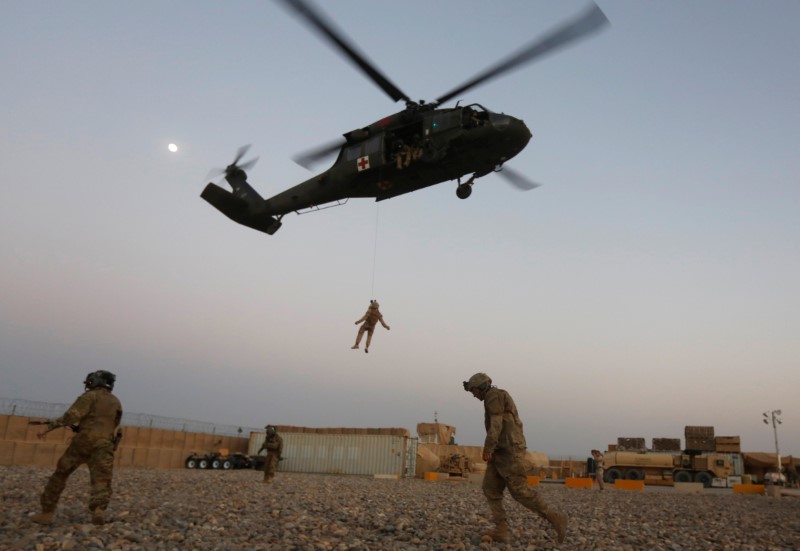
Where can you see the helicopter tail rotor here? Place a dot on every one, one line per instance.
(244, 205)
(234, 166)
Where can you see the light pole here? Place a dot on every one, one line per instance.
(775, 422)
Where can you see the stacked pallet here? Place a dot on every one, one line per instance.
(700, 439)
(666, 444)
(727, 444)
(630, 444)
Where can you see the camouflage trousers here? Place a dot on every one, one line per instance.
(98, 456)
(270, 465)
(507, 470)
(368, 330)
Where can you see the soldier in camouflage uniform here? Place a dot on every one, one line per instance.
(273, 443)
(95, 416)
(504, 453)
(370, 319)
(598, 466)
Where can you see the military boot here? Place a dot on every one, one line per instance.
(499, 534)
(98, 517)
(45, 517)
(559, 522)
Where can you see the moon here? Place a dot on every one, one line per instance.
(172, 147)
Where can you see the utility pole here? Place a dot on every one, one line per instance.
(775, 422)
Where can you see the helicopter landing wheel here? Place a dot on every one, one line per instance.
(463, 191)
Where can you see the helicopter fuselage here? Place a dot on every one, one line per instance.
(407, 152)
(421, 146)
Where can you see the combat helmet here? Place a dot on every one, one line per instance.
(373, 304)
(479, 381)
(100, 378)
(270, 430)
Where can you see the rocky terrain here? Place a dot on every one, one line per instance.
(155, 510)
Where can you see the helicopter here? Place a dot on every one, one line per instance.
(420, 146)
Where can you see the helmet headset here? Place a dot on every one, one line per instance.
(100, 378)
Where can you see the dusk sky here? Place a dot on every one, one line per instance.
(652, 282)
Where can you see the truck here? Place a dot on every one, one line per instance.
(662, 466)
(218, 460)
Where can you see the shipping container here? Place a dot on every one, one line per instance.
(359, 454)
(737, 463)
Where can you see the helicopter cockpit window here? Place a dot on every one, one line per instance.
(372, 145)
(473, 116)
(444, 121)
(499, 120)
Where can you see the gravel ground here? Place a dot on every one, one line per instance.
(154, 510)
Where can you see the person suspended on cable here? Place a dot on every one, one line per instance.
(370, 319)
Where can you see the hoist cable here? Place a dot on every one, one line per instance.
(375, 251)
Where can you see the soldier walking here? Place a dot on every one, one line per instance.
(95, 416)
(504, 453)
(273, 443)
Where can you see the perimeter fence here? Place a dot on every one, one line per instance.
(47, 410)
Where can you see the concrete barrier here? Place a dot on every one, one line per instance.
(578, 483)
(629, 485)
(748, 489)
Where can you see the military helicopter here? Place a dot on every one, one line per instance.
(422, 145)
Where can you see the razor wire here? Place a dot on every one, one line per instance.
(47, 410)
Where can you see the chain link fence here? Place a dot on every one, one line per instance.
(46, 410)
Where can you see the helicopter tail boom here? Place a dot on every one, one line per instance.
(240, 210)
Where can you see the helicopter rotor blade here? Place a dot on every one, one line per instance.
(325, 27)
(215, 173)
(593, 19)
(311, 157)
(240, 153)
(248, 165)
(517, 180)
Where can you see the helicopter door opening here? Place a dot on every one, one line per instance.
(403, 145)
